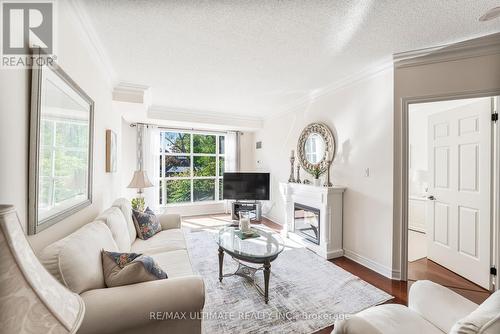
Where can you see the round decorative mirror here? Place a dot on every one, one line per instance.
(316, 147)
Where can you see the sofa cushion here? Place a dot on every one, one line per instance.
(124, 205)
(175, 263)
(114, 219)
(485, 319)
(146, 223)
(129, 268)
(166, 240)
(76, 260)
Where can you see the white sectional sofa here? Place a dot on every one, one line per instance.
(147, 307)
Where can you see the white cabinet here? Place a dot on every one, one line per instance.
(417, 213)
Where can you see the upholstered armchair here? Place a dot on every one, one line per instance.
(31, 300)
(432, 309)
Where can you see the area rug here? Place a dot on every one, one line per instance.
(306, 292)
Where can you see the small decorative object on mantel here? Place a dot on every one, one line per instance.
(329, 159)
(316, 173)
(298, 175)
(139, 181)
(292, 162)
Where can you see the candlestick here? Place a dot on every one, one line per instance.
(292, 162)
(327, 181)
(298, 175)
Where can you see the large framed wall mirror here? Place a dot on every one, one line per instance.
(61, 139)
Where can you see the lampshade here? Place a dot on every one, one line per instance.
(31, 299)
(140, 180)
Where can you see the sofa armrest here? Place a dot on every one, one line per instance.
(113, 310)
(439, 305)
(169, 221)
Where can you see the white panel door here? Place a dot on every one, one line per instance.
(458, 217)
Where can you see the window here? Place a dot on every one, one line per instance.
(191, 167)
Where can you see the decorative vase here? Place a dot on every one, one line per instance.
(316, 182)
(244, 221)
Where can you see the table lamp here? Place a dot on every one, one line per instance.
(139, 181)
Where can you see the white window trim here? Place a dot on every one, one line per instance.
(191, 156)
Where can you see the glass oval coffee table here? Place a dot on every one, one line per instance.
(262, 249)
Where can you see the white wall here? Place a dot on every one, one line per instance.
(360, 115)
(78, 62)
(247, 152)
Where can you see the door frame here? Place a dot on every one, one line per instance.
(495, 177)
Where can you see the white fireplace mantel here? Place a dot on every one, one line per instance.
(329, 200)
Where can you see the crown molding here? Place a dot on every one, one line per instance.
(481, 46)
(131, 92)
(92, 41)
(210, 118)
(349, 80)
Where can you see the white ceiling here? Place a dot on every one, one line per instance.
(256, 58)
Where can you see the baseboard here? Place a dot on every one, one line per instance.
(334, 254)
(370, 264)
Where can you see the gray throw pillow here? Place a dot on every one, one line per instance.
(129, 268)
(146, 223)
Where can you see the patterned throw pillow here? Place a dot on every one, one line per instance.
(146, 223)
(129, 268)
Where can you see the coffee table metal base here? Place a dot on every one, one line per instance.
(248, 272)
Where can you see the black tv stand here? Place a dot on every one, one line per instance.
(255, 209)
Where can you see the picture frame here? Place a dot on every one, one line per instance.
(111, 155)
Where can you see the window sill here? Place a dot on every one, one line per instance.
(191, 204)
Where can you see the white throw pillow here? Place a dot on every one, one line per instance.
(76, 260)
(114, 219)
(485, 319)
(124, 205)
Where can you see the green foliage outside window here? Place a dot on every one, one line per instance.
(204, 166)
(203, 143)
(189, 167)
(178, 191)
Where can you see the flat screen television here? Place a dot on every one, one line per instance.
(246, 186)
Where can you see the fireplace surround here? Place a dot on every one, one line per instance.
(325, 238)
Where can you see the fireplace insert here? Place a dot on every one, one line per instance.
(307, 222)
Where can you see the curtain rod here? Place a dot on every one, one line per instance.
(132, 125)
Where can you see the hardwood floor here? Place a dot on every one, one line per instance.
(427, 269)
(417, 270)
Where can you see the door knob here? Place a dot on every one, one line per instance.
(431, 198)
